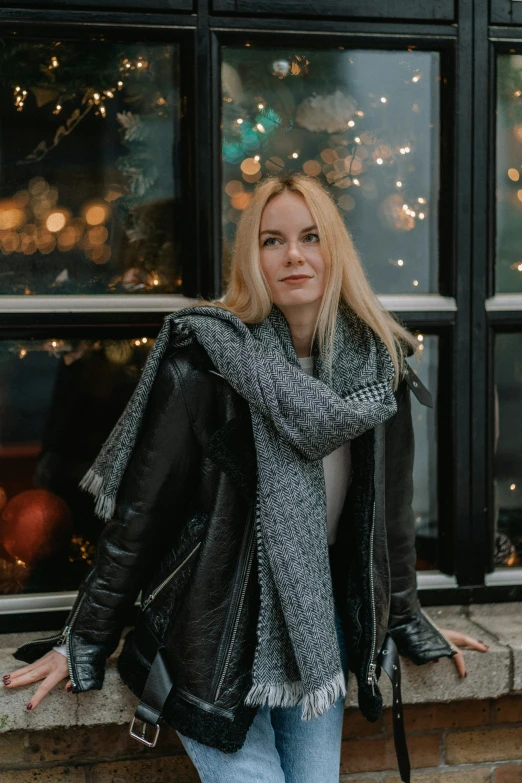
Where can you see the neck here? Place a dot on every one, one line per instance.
(301, 319)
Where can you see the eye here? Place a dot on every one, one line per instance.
(312, 235)
(268, 240)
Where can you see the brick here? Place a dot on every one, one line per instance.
(509, 773)
(427, 717)
(356, 725)
(508, 709)
(50, 775)
(178, 768)
(12, 747)
(94, 743)
(482, 775)
(373, 755)
(490, 745)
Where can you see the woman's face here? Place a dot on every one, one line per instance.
(290, 252)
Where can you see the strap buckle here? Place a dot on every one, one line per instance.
(141, 737)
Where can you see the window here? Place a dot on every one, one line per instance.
(507, 453)
(90, 198)
(60, 400)
(366, 123)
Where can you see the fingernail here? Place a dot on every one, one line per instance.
(69, 688)
(7, 680)
(466, 674)
(6, 677)
(29, 706)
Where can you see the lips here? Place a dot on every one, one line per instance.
(295, 277)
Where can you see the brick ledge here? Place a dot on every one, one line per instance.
(490, 675)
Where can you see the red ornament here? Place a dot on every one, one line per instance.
(35, 525)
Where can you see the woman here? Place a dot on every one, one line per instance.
(257, 444)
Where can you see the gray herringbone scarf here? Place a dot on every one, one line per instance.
(297, 419)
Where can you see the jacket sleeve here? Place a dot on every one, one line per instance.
(165, 453)
(415, 635)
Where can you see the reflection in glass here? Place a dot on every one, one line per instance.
(509, 174)
(59, 400)
(90, 188)
(366, 123)
(507, 450)
(425, 506)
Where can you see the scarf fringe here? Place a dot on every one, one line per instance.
(92, 482)
(291, 694)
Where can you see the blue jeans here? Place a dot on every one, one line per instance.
(280, 747)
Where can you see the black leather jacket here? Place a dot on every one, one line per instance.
(183, 535)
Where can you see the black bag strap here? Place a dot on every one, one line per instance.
(157, 688)
(390, 663)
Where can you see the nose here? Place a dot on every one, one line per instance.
(294, 255)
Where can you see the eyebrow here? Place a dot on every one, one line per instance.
(275, 231)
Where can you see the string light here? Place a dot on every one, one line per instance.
(358, 140)
(239, 121)
(260, 127)
(260, 106)
(379, 161)
(421, 215)
(415, 282)
(57, 109)
(421, 200)
(513, 486)
(400, 262)
(356, 182)
(351, 123)
(54, 63)
(384, 100)
(295, 155)
(399, 184)
(420, 337)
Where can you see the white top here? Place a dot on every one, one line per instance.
(337, 473)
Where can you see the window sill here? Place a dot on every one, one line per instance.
(490, 675)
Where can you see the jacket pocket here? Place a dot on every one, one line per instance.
(158, 590)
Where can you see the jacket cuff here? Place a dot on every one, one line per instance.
(420, 640)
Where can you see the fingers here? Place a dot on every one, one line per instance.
(456, 638)
(26, 676)
(47, 685)
(458, 660)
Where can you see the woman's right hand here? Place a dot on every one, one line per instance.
(51, 668)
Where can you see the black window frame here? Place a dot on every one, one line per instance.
(467, 143)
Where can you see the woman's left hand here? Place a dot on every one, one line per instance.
(455, 638)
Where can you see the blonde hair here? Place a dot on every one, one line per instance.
(248, 296)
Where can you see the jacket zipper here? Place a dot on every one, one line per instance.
(238, 614)
(371, 678)
(152, 596)
(60, 637)
(65, 638)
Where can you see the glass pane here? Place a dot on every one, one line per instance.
(507, 486)
(366, 123)
(508, 268)
(425, 506)
(59, 400)
(90, 176)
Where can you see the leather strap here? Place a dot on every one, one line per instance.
(390, 663)
(157, 688)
